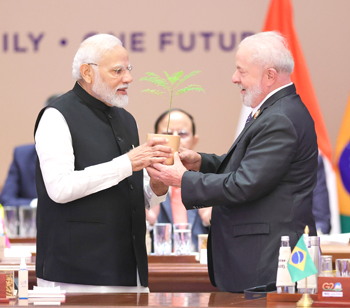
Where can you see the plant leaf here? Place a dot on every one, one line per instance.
(174, 77)
(188, 76)
(191, 87)
(156, 92)
(156, 80)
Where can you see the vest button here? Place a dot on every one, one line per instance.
(109, 115)
(119, 139)
(131, 186)
(134, 237)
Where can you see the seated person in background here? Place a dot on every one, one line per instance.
(172, 210)
(19, 188)
(320, 201)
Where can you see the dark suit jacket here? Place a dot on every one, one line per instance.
(260, 190)
(19, 188)
(166, 216)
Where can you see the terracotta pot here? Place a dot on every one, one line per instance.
(174, 143)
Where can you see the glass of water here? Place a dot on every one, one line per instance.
(162, 239)
(27, 221)
(11, 221)
(326, 267)
(182, 239)
(342, 267)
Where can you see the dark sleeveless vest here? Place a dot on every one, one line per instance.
(98, 239)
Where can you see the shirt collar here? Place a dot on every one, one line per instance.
(254, 110)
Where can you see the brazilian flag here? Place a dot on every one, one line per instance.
(342, 170)
(300, 264)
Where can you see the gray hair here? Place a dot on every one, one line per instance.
(91, 50)
(270, 49)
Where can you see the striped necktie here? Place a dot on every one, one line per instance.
(249, 118)
(177, 207)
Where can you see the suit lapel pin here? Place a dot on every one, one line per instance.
(256, 114)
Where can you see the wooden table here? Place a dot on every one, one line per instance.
(214, 299)
(178, 274)
(336, 250)
(166, 274)
(183, 274)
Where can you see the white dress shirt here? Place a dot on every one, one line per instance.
(254, 110)
(53, 145)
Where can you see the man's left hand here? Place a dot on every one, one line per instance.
(169, 175)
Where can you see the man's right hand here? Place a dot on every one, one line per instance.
(190, 159)
(153, 151)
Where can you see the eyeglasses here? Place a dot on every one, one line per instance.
(118, 71)
(182, 133)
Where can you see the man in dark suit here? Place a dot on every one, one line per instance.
(262, 188)
(19, 188)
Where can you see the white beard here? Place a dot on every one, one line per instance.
(108, 95)
(250, 94)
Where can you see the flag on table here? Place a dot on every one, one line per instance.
(342, 158)
(280, 18)
(300, 264)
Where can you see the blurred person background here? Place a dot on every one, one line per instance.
(19, 188)
(172, 210)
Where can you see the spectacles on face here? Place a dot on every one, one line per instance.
(117, 71)
(182, 133)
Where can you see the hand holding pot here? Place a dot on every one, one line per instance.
(169, 175)
(151, 152)
(190, 159)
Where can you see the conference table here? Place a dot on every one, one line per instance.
(212, 299)
(176, 273)
(174, 281)
(166, 274)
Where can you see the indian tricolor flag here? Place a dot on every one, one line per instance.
(280, 18)
(342, 158)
